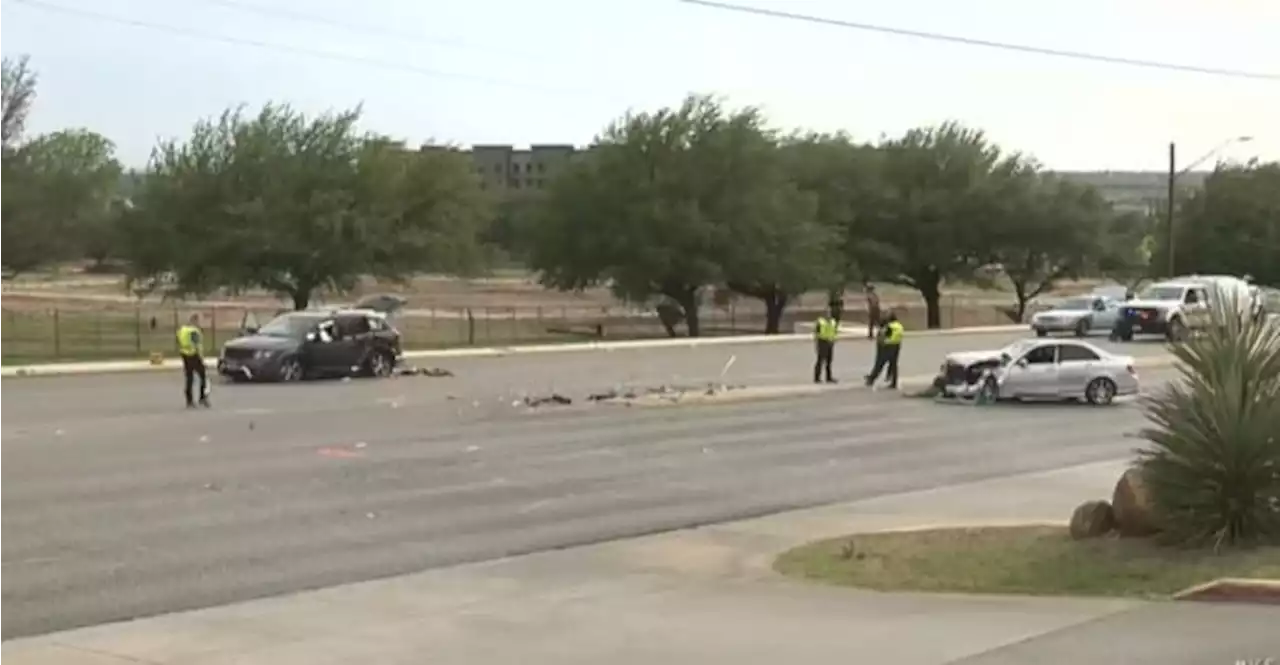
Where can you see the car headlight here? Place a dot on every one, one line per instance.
(263, 355)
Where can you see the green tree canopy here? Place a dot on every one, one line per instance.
(1048, 229)
(1232, 225)
(294, 204)
(939, 195)
(652, 210)
(58, 186)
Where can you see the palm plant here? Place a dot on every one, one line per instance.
(1213, 463)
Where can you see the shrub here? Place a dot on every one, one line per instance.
(1213, 463)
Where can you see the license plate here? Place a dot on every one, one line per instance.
(1137, 328)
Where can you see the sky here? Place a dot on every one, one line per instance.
(558, 71)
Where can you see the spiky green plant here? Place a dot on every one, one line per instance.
(1213, 463)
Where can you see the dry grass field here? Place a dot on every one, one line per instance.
(74, 316)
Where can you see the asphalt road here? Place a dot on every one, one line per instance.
(117, 503)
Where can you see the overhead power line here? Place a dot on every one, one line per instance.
(969, 41)
(349, 26)
(376, 63)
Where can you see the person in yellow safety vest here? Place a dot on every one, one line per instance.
(888, 349)
(825, 332)
(191, 348)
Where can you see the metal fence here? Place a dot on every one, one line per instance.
(126, 331)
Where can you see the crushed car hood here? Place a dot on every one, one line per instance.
(967, 358)
(262, 343)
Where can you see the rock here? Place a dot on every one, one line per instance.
(1132, 505)
(1092, 519)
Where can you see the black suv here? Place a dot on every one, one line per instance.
(312, 344)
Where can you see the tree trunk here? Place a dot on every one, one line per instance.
(1020, 308)
(774, 304)
(688, 301)
(301, 298)
(929, 284)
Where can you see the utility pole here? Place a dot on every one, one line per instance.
(1173, 177)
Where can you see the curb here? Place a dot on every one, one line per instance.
(1245, 582)
(491, 352)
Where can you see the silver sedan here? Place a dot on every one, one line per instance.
(1043, 369)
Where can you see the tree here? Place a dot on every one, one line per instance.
(18, 95)
(1051, 229)
(1128, 245)
(1232, 225)
(55, 193)
(294, 205)
(846, 180)
(940, 189)
(650, 208)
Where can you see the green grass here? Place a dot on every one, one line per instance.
(1033, 560)
(123, 332)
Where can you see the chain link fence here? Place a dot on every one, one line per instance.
(78, 332)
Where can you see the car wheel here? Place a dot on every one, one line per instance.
(380, 364)
(989, 392)
(1177, 330)
(291, 370)
(1082, 328)
(1100, 392)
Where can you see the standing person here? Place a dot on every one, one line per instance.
(825, 332)
(835, 303)
(888, 350)
(873, 310)
(191, 348)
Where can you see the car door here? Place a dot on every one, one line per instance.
(1195, 307)
(355, 334)
(324, 347)
(1105, 313)
(1075, 366)
(1035, 374)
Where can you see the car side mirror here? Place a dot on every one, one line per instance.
(311, 337)
(1022, 362)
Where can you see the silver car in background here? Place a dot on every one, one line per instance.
(1079, 315)
(1040, 370)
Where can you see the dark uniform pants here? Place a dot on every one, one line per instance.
(826, 353)
(886, 359)
(193, 366)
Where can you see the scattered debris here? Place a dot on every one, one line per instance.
(472, 449)
(370, 515)
(251, 425)
(600, 397)
(204, 439)
(553, 398)
(434, 372)
(213, 487)
(338, 453)
(361, 444)
(58, 432)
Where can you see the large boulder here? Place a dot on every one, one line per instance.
(1092, 519)
(1135, 512)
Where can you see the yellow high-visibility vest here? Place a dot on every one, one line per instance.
(828, 329)
(190, 341)
(894, 333)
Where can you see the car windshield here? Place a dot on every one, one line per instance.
(1075, 304)
(1015, 350)
(288, 325)
(1162, 293)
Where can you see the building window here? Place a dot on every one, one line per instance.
(528, 168)
(513, 183)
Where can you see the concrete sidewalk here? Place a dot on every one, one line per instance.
(697, 596)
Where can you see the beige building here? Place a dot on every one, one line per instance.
(511, 170)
